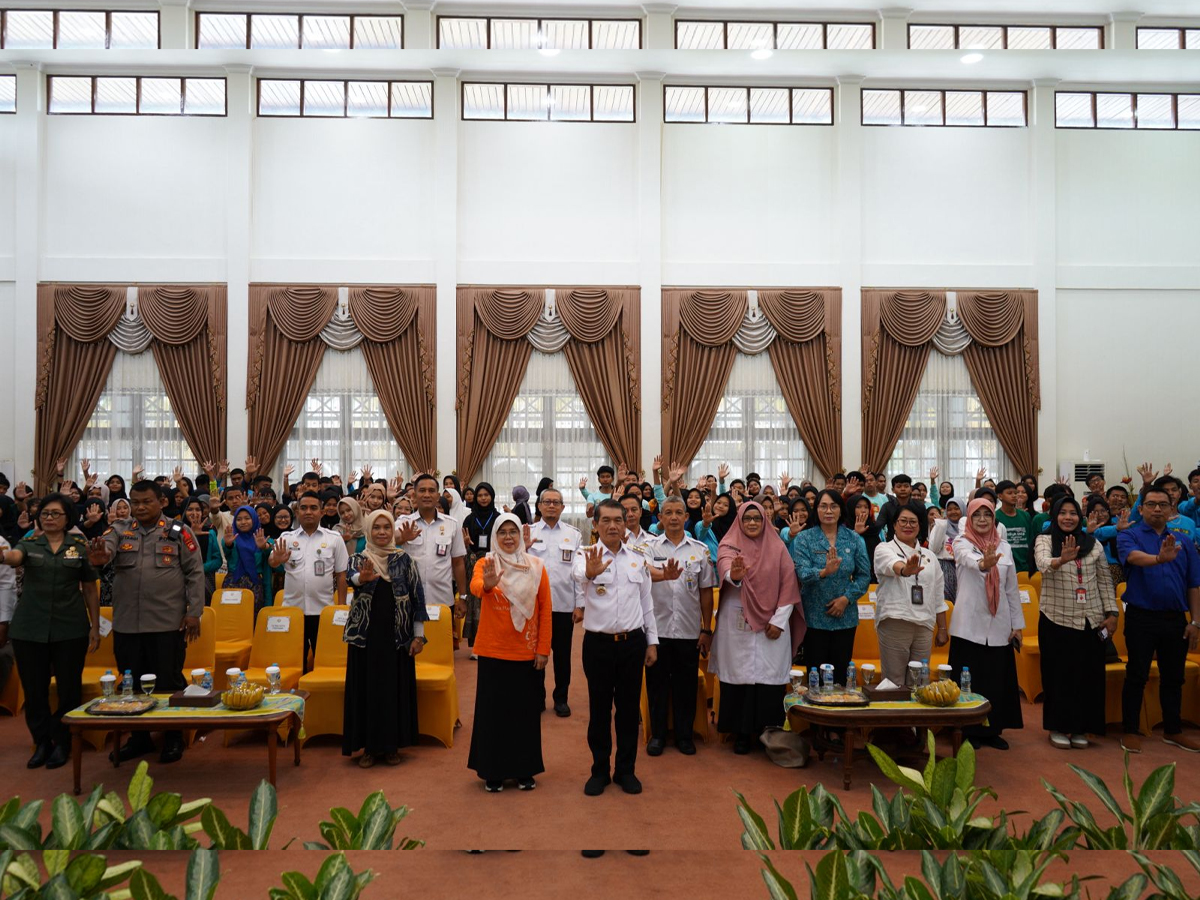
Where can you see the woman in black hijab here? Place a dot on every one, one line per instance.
(116, 488)
(860, 518)
(95, 518)
(479, 531)
(693, 502)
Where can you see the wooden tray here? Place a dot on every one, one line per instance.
(118, 707)
(838, 701)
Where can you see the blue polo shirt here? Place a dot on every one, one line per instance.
(1164, 586)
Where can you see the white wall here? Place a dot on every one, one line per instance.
(8, 223)
(26, 331)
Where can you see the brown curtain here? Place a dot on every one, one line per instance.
(698, 354)
(285, 352)
(897, 327)
(806, 357)
(493, 355)
(397, 324)
(74, 360)
(605, 325)
(1003, 361)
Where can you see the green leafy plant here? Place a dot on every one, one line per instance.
(374, 828)
(264, 808)
(1168, 884)
(335, 881)
(203, 873)
(85, 877)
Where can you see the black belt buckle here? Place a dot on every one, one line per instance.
(623, 636)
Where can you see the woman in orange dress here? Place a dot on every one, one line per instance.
(513, 644)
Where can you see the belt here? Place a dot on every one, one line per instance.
(619, 636)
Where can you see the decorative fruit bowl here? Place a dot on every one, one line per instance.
(244, 696)
(940, 693)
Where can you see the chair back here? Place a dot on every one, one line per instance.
(331, 649)
(104, 657)
(202, 652)
(1029, 610)
(1118, 635)
(275, 642)
(278, 598)
(234, 608)
(866, 641)
(440, 634)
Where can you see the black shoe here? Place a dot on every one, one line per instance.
(655, 747)
(40, 755)
(975, 742)
(996, 742)
(526, 784)
(591, 854)
(562, 710)
(638, 852)
(596, 784)
(629, 783)
(685, 746)
(741, 745)
(137, 745)
(172, 751)
(493, 787)
(58, 758)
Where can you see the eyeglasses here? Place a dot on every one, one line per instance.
(1156, 504)
(552, 503)
(752, 519)
(53, 514)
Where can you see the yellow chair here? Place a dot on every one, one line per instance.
(866, 640)
(283, 647)
(1036, 580)
(437, 685)
(941, 655)
(1114, 676)
(1029, 663)
(278, 599)
(326, 683)
(699, 723)
(234, 609)
(220, 579)
(12, 697)
(1022, 578)
(202, 652)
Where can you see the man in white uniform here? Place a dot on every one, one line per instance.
(556, 544)
(635, 537)
(435, 541)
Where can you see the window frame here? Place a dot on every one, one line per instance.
(13, 111)
(591, 120)
(346, 82)
(1180, 35)
(943, 91)
(790, 88)
(108, 22)
(1133, 95)
(1099, 29)
(591, 20)
(183, 79)
(774, 23)
(300, 27)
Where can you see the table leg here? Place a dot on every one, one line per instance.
(296, 740)
(272, 750)
(848, 762)
(955, 739)
(116, 752)
(77, 759)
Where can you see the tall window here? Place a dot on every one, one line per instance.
(548, 433)
(949, 429)
(753, 430)
(342, 423)
(133, 424)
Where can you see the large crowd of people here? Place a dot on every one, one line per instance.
(751, 576)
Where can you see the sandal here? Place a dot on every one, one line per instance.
(366, 761)
(394, 758)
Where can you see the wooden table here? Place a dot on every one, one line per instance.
(264, 718)
(865, 719)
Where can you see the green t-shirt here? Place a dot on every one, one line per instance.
(1020, 535)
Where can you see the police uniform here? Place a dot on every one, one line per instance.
(557, 547)
(671, 681)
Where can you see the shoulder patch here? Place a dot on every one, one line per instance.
(190, 542)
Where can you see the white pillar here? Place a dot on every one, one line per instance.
(849, 231)
(29, 127)
(239, 159)
(650, 125)
(419, 25)
(660, 26)
(1121, 34)
(445, 243)
(1045, 263)
(175, 26)
(893, 29)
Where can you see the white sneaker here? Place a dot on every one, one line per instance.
(1079, 741)
(1060, 740)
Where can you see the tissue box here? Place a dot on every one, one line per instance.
(878, 693)
(203, 701)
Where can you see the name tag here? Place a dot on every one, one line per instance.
(322, 567)
(279, 624)
(1025, 597)
(871, 596)
(105, 627)
(1081, 595)
(483, 544)
(567, 554)
(341, 617)
(231, 598)
(918, 595)
(866, 610)
(434, 612)
(441, 549)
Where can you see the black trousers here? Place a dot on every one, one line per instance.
(36, 662)
(614, 675)
(160, 652)
(836, 647)
(311, 625)
(561, 635)
(1150, 633)
(671, 685)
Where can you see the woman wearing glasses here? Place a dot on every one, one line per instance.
(56, 623)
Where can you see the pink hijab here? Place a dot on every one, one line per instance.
(770, 580)
(984, 542)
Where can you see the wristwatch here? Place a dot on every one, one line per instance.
(707, 631)
(421, 638)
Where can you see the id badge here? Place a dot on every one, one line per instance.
(321, 567)
(483, 544)
(567, 554)
(691, 582)
(1081, 595)
(741, 622)
(918, 595)
(442, 548)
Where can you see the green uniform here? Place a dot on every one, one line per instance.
(51, 607)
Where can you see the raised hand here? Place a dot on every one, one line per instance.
(1096, 520)
(280, 555)
(1169, 549)
(912, 565)
(366, 572)
(794, 523)
(1070, 549)
(98, 552)
(980, 475)
(583, 483)
(251, 466)
(832, 562)
(90, 480)
(853, 484)
(784, 480)
(353, 475)
(860, 520)
(367, 472)
(723, 471)
(1146, 470)
(737, 568)
(933, 477)
(336, 479)
(658, 462)
(622, 471)
(1123, 520)
(1167, 470)
(21, 492)
(677, 473)
(594, 562)
(177, 475)
(260, 539)
(407, 531)
(138, 472)
(229, 535)
(93, 515)
(991, 556)
(491, 572)
(288, 471)
(86, 465)
(1061, 479)
(395, 485)
(526, 536)
(223, 468)
(60, 466)
(706, 514)
(316, 465)
(210, 469)
(672, 570)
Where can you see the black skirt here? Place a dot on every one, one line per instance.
(1072, 678)
(994, 676)
(506, 738)
(381, 685)
(749, 708)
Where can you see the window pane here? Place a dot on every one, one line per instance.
(769, 105)
(70, 95)
(514, 34)
(378, 32)
(880, 107)
(613, 103)
(1006, 109)
(812, 106)
(483, 101)
(274, 32)
(278, 98)
(327, 32)
(367, 98)
(8, 93)
(204, 96)
(29, 30)
(456, 33)
(324, 98)
(1114, 110)
(851, 37)
(1077, 38)
(528, 102)
(616, 35)
(1158, 38)
(161, 96)
(569, 34)
(980, 37)
(964, 108)
(1189, 110)
(922, 108)
(727, 105)
(222, 31)
(81, 30)
(1028, 38)
(684, 104)
(116, 95)
(800, 36)
(1073, 110)
(134, 31)
(751, 36)
(1192, 39)
(570, 102)
(931, 37)
(412, 100)
(700, 35)
(1155, 111)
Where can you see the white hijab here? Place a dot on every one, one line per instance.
(520, 574)
(458, 509)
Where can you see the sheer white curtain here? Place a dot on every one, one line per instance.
(342, 423)
(753, 430)
(133, 424)
(547, 433)
(948, 429)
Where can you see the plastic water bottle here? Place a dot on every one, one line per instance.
(924, 672)
(851, 677)
(965, 680)
(814, 681)
(127, 685)
(206, 682)
(827, 678)
(108, 684)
